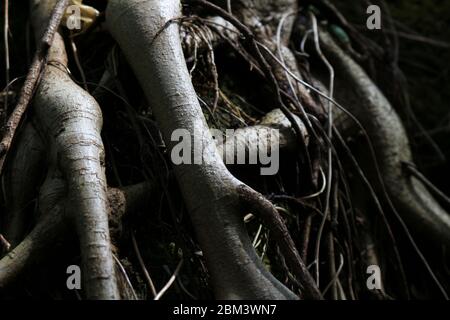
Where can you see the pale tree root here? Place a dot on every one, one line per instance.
(255, 202)
(274, 128)
(198, 37)
(387, 134)
(36, 247)
(152, 46)
(22, 175)
(53, 226)
(71, 120)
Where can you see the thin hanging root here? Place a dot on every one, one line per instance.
(273, 36)
(6, 44)
(415, 172)
(71, 121)
(51, 225)
(194, 43)
(153, 49)
(382, 124)
(274, 129)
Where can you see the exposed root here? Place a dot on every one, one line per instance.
(44, 42)
(314, 241)
(34, 248)
(71, 121)
(154, 51)
(37, 245)
(21, 179)
(53, 225)
(261, 206)
(409, 195)
(273, 130)
(192, 35)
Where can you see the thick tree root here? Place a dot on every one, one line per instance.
(152, 46)
(53, 225)
(382, 124)
(71, 121)
(274, 129)
(271, 22)
(36, 247)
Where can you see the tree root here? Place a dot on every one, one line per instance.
(274, 34)
(153, 49)
(261, 206)
(196, 39)
(22, 176)
(416, 205)
(273, 129)
(71, 121)
(36, 247)
(33, 77)
(53, 225)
